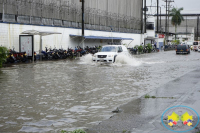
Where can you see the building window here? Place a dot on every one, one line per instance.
(150, 26)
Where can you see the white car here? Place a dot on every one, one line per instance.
(108, 53)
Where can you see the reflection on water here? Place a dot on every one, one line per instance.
(55, 95)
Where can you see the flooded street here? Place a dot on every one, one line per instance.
(66, 95)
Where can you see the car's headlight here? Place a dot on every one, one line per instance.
(94, 55)
(110, 55)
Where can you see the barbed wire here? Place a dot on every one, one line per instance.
(67, 11)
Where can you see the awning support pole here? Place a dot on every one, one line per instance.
(83, 39)
(129, 43)
(33, 52)
(40, 47)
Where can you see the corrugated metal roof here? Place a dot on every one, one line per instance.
(102, 37)
(42, 33)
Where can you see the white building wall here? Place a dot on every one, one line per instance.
(9, 36)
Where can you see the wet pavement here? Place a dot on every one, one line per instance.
(70, 94)
(143, 115)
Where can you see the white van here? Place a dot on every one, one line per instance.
(195, 45)
(198, 47)
(108, 53)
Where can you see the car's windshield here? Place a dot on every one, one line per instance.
(108, 49)
(181, 46)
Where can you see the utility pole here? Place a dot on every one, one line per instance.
(142, 18)
(83, 22)
(145, 15)
(160, 18)
(83, 17)
(166, 37)
(197, 28)
(167, 20)
(186, 27)
(3, 16)
(157, 14)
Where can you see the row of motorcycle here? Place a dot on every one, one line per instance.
(14, 56)
(49, 54)
(144, 49)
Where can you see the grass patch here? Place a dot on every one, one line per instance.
(75, 131)
(167, 97)
(147, 96)
(124, 131)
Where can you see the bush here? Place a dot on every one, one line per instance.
(3, 55)
(140, 48)
(149, 47)
(136, 46)
(176, 42)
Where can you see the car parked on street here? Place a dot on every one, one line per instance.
(108, 53)
(183, 49)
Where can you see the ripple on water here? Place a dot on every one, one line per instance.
(78, 109)
(51, 116)
(23, 118)
(45, 123)
(97, 107)
(67, 120)
(11, 122)
(34, 129)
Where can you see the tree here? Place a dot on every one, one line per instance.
(177, 18)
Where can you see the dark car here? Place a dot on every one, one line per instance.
(182, 49)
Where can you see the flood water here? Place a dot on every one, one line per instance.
(70, 94)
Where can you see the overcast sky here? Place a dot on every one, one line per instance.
(190, 6)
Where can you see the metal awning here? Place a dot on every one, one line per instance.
(102, 37)
(42, 33)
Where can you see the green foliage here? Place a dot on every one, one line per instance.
(75, 131)
(3, 55)
(136, 46)
(176, 42)
(123, 131)
(140, 48)
(149, 47)
(177, 18)
(147, 96)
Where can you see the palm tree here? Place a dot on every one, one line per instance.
(177, 18)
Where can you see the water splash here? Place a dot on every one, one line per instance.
(127, 59)
(86, 59)
(121, 59)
